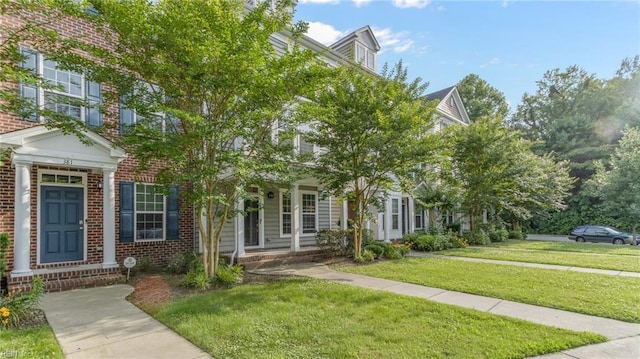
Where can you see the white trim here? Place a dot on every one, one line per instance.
(280, 213)
(85, 196)
(135, 217)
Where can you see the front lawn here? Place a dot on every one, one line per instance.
(306, 318)
(587, 255)
(594, 294)
(34, 342)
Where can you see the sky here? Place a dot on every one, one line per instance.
(509, 44)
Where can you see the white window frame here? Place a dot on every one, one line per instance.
(40, 59)
(282, 213)
(419, 214)
(361, 54)
(395, 213)
(371, 60)
(302, 213)
(135, 221)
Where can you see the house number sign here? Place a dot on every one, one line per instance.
(129, 262)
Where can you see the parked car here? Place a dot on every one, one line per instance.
(601, 234)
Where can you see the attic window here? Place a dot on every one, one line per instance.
(360, 53)
(451, 101)
(371, 63)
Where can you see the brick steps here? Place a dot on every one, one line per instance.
(265, 260)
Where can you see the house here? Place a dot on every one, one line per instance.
(401, 215)
(74, 212)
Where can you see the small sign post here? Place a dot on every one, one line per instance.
(129, 263)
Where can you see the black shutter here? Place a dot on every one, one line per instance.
(173, 213)
(127, 211)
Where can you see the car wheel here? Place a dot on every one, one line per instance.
(618, 241)
(579, 239)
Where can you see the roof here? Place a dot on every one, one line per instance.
(439, 95)
(355, 34)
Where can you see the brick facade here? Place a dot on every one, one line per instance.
(67, 275)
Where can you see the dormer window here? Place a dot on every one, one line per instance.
(371, 63)
(360, 54)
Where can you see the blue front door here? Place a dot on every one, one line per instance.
(62, 226)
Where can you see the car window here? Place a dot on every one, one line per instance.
(590, 230)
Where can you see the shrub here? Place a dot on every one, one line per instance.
(18, 305)
(145, 264)
(227, 276)
(456, 241)
(403, 248)
(332, 241)
(516, 235)
(429, 243)
(4, 246)
(499, 235)
(477, 237)
(393, 252)
(180, 263)
(378, 248)
(196, 278)
(367, 256)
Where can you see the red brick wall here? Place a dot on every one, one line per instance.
(158, 251)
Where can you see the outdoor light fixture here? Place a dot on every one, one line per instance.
(99, 185)
(270, 195)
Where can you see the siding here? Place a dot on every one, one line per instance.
(272, 222)
(227, 240)
(323, 214)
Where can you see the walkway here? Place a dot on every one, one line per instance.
(624, 337)
(100, 323)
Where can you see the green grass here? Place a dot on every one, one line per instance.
(36, 342)
(594, 294)
(589, 255)
(306, 318)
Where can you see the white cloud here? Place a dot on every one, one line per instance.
(411, 3)
(441, 8)
(493, 61)
(319, 1)
(361, 3)
(505, 3)
(395, 41)
(324, 33)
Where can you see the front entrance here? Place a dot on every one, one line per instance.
(62, 225)
(252, 223)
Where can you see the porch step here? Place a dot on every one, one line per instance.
(266, 259)
(59, 285)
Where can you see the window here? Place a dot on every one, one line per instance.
(71, 95)
(395, 213)
(285, 199)
(305, 146)
(309, 202)
(360, 54)
(309, 212)
(149, 212)
(157, 120)
(371, 62)
(419, 220)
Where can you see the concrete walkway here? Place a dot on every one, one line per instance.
(624, 337)
(100, 323)
(532, 265)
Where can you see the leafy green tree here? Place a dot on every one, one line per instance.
(375, 132)
(496, 170)
(618, 185)
(481, 99)
(206, 84)
(437, 197)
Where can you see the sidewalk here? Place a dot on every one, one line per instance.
(100, 323)
(624, 337)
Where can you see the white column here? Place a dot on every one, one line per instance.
(345, 214)
(296, 218)
(387, 220)
(109, 219)
(239, 223)
(412, 216)
(330, 214)
(22, 221)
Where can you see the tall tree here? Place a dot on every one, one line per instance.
(375, 132)
(618, 185)
(204, 82)
(496, 170)
(481, 99)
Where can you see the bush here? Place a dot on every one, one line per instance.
(145, 264)
(228, 276)
(393, 252)
(4, 247)
(18, 305)
(377, 248)
(516, 235)
(477, 237)
(499, 235)
(180, 263)
(196, 278)
(332, 241)
(367, 256)
(403, 248)
(456, 241)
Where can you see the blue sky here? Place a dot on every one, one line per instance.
(509, 44)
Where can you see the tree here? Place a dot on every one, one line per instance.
(496, 170)
(204, 81)
(437, 196)
(618, 185)
(374, 129)
(481, 99)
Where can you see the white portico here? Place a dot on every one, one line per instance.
(61, 196)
